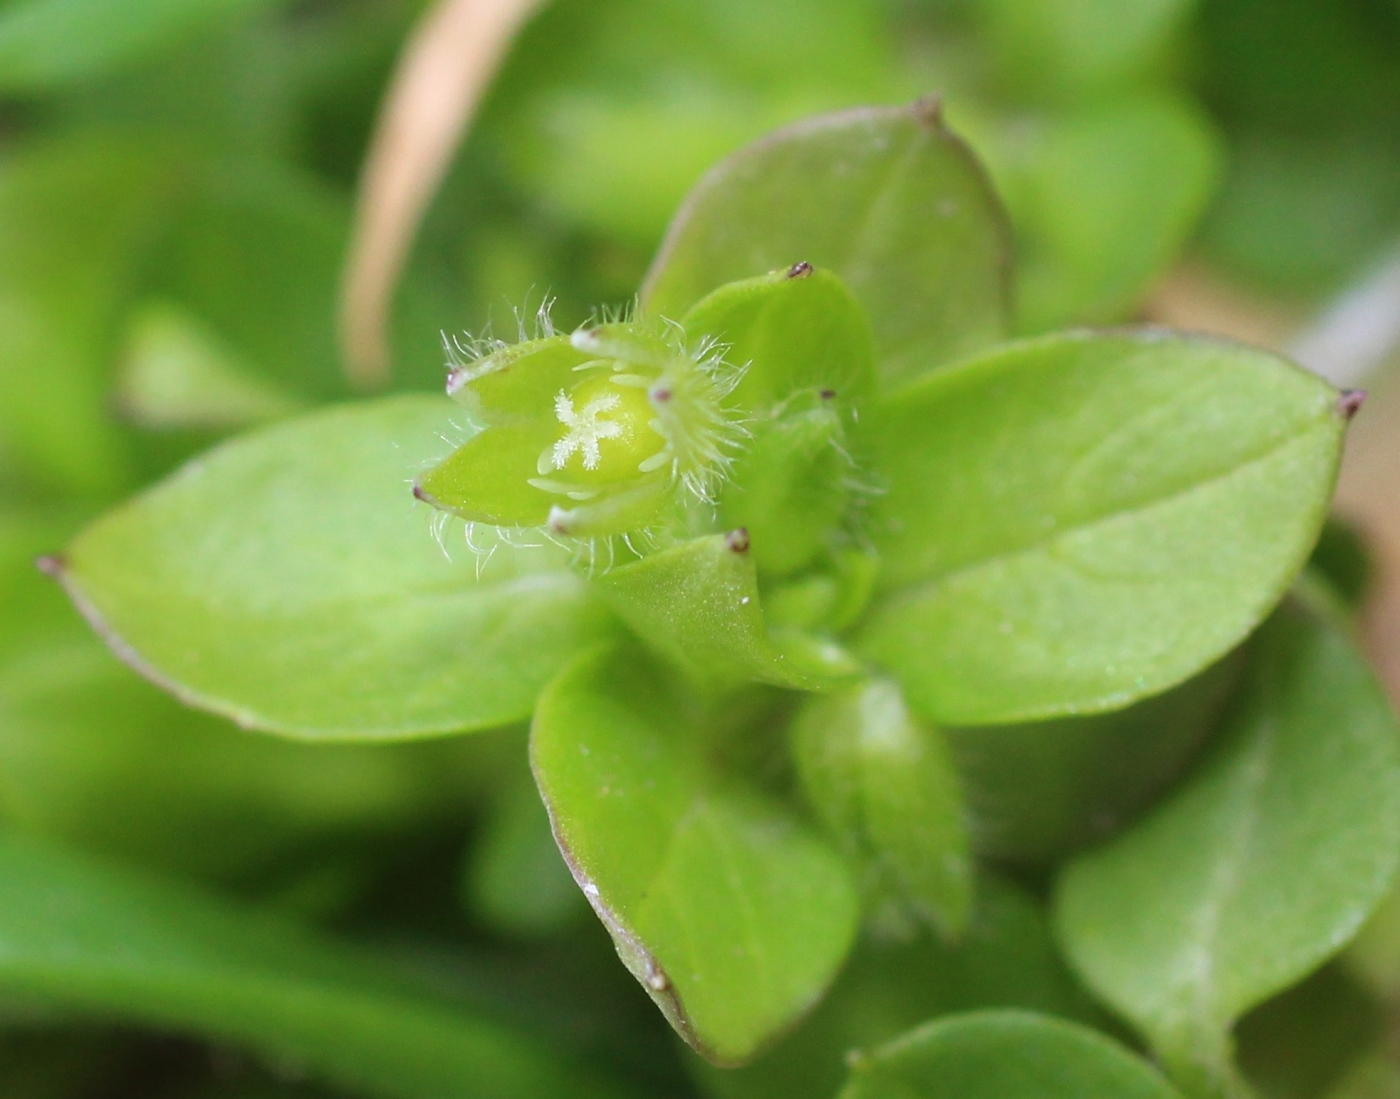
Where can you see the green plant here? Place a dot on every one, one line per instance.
(823, 604)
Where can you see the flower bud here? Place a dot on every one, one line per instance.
(603, 432)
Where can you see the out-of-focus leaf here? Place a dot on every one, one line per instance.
(174, 373)
(1301, 1043)
(90, 939)
(697, 603)
(1047, 499)
(516, 881)
(288, 580)
(1004, 1055)
(1055, 48)
(1006, 959)
(93, 755)
(1102, 203)
(729, 912)
(1376, 1077)
(1297, 815)
(47, 43)
(1037, 790)
(885, 786)
(254, 250)
(69, 214)
(887, 198)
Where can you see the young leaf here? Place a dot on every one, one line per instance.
(284, 580)
(1006, 959)
(1048, 499)
(885, 787)
(81, 937)
(1257, 870)
(792, 330)
(697, 603)
(731, 915)
(1004, 1055)
(887, 198)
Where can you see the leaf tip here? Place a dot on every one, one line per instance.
(1349, 402)
(52, 564)
(737, 540)
(799, 270)
(928, 109)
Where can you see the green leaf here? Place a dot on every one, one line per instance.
(47, 43)
(885, 786)
(1103, 199)
(1257, 870)
(1004, 1055)
(1079, 47)
(1047, 499)
(731, 915)
(95, 756)
(793, 330)
(289, 581)
(175, 373)
(93, 940)
(887, 198)
(515, 880)
(1302, 1042)
(697, 604)
(1038, 790)
(1006, 959)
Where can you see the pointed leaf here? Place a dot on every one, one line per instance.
(732, 915)
(792, 330)
(1047, 500)
(87, 938)
(288, 580)
(1004, 1055)
(1260, 868)
(885, 197)
(885, 786)
(697, 604)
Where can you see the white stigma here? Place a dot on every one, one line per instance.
(585, 429)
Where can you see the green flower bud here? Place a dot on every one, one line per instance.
(606, 431)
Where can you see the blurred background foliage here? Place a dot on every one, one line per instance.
(177, 180)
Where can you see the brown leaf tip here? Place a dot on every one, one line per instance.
(1350, 402)
(737, 540)
(799, 270)
(828, 394)
(928, 109)
(51, 564)
(419, 494)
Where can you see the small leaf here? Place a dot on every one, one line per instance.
(885, 786)
(1004, 1055)
(793, 330)
(1260, 868)
(285, 581)
(697, 604)
(1006, 959)
(1048, 499)
(85, 938)
(887, 198)
(731, 915)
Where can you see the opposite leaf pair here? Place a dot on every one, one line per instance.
(1054, 527)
